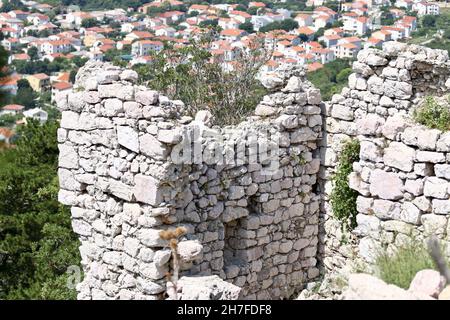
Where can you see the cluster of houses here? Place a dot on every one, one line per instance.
(322, 34)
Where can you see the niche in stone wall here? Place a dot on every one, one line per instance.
(427, 79)
(232, 244)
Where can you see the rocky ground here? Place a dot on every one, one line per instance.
(426, 285)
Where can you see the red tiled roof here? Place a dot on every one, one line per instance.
(61, 85)
(40, 76)
(232, 32)
(314, 66)
(13, 107)
(64, 76)
(305, 30)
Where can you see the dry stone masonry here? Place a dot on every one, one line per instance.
(254, 198)
(132, 163)
(403, 174)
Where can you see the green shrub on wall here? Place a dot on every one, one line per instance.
(433, 114)
(343, 199)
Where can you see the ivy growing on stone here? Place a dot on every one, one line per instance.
(343, 198)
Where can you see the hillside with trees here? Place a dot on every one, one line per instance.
(35, 232)
(331, 78)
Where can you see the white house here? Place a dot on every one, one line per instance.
(229, 23)
(397, 33)
(232, 34)
(164, 31)
(58, 87)
(76, 18)
(355, 24)
(240, 16)
(345, 50)
(12, 109)
(36, 113)
(260, 21)
(323, 55)
(144, 47)
(407, 4)
(304, 20)
(55, 46)
(426, 8)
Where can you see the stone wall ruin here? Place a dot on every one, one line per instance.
(132, 164)
(402, 177)
(254, 198)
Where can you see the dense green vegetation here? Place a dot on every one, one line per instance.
(25, 95)
(286, 25)
(433, 114)
(247, 26)
(47, 67)
(37, 244)
(9, 5)
(331, 78)
(343, 199)
(399, 269)
(434, 31)
(97, 4)
(292, 5)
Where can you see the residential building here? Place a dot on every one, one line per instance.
(355, 24)
(304, 20)
(55, 46)
(39, 82)
(232, 34)
(37, 114)
(145, 47)
(12, 109)
(138, 35)
(330, 40)
(240, 16)
(373, 43)
(9, 83)
(397, 33)
(323, 55)
(10, 43)
(258, 22)
(58, 87)
(426, 8)
(345, 50)
(407, 4)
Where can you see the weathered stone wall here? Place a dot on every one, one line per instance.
(403, 176)
(253, 197)
(132, 164)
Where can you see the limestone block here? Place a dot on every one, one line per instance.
(427, 282)
(386, 185)
(435, 187)
(150, 146)
(147, 190)
(68, 156)
(128, 137)
(399, 156)
(206, 288)
(147, 97)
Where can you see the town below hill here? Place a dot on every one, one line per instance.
(48, 41)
